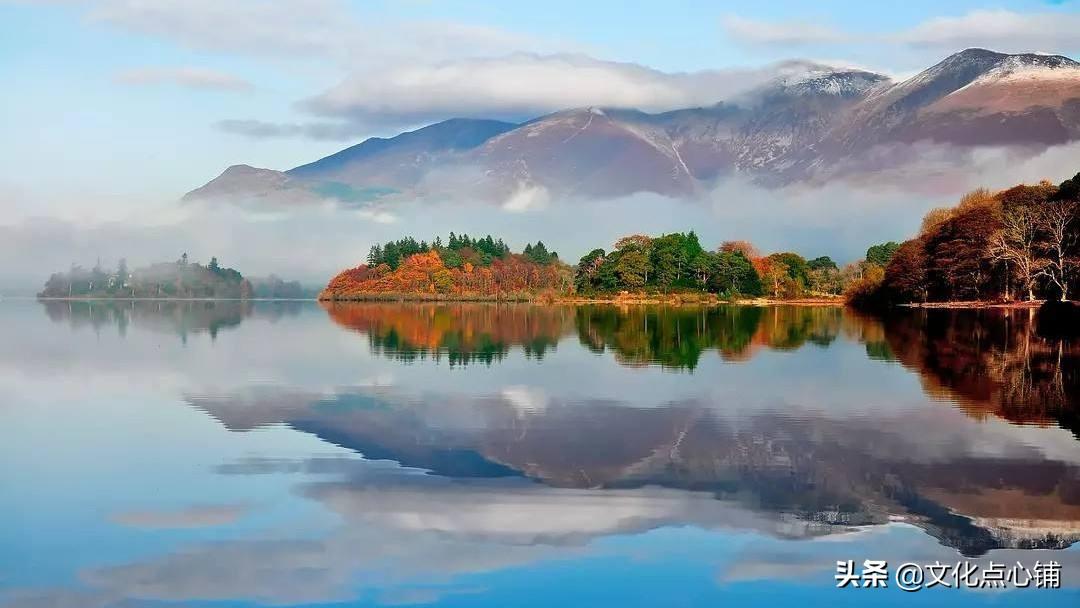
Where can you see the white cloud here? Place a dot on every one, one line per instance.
(1000, 30)
(259, 129)
(309, 29)
(246, 26)
(527, 198)
(379, 216)
(524, 85)
(787, 33)
(190, 77)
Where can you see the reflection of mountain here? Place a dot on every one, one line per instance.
(798, 465)
(181, 317)
(672, 337)
(991, 362)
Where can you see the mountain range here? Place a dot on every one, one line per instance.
(820, 124)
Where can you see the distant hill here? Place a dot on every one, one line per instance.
(822, 124)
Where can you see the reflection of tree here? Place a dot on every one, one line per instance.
(462, 332)
(992, 362)
(670, 336)
(182, 317)
(675, 337)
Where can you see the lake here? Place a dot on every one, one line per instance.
(197, 454)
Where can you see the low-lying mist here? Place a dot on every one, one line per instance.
(311, 242)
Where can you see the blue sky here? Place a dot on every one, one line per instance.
(141, 100)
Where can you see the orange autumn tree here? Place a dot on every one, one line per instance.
(427, 275)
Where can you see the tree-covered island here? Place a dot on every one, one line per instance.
(181, 279)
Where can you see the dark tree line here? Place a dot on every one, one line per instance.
(1022, 243)
(455, 252)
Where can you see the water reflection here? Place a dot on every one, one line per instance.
(463, 333)
(293, 463)
(676, 337)
(800, 466)
(991, 362)
(671, 337)
(180, 317)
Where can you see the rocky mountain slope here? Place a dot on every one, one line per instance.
(819, 125)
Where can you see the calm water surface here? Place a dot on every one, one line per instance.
(225, 454)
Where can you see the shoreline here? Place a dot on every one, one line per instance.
(640, 299)
(619, 300)
(976, 305)
(110, 299)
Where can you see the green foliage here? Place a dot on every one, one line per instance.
(539, 254)
(882, 253)
(823, 276)
(734, 275)
(672, 257)
(670, 262)
(457, 251)
(822, 263)
(587, 273)
(632, 266)
(797, 267)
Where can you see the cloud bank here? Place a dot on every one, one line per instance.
(188, 77)
(780, 33)
(524, 85)
(998, 29)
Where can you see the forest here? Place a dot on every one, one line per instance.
(675, 263)
(179, 279)
(462, 267)
(1019, 244)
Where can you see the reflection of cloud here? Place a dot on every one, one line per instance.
(195, 516)
(345, 564)
(897, 543)
(407, 537)
(526, 399)
(513, 513)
